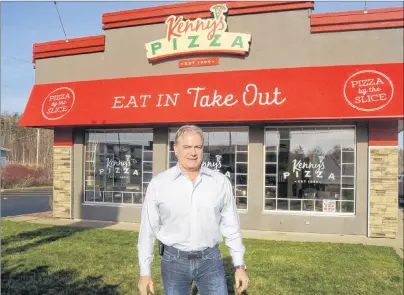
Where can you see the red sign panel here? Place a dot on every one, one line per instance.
(332, 92)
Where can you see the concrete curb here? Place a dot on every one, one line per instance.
(23, 189)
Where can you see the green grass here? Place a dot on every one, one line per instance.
(41, 259)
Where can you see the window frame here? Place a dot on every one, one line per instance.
(242, 128)
(84, 161)
(309, 213)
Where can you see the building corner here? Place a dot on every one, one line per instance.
(62, 173)
(383, 180)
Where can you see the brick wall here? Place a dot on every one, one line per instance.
(383, 192)
(61, 181)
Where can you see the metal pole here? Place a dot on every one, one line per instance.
(37, 148)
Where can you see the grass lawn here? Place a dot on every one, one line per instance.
(41, 259)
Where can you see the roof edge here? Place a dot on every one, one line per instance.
(72, 46)
(192, 10)
(381, 18)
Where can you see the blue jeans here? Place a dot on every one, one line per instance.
(178, 273)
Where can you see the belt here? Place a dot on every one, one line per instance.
(189, 254)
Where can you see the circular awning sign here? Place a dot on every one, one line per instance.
(58, 103)
(368, 90)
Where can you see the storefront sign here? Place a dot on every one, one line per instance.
(116, 166)
(201, 98)
(329, 206)
(368, 90)
(213, 165)
(309, 170)
(216, 165)
(198, 62)
(312, 93)
(198, 36)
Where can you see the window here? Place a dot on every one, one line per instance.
(226, 151)
(118, 166)
(310, 169)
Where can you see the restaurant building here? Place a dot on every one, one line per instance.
(299, 110)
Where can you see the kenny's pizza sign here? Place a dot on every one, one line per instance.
(187, 37)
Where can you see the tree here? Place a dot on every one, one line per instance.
(23, 143)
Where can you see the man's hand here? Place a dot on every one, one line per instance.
(146, 285)
(241, 279)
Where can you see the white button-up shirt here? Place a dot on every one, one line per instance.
(189, 216)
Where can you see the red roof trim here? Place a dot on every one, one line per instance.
(153, 15)
(357, 20)
(73, 46)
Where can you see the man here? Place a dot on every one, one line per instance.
(188, 208)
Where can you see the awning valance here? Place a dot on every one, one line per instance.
(309, 93)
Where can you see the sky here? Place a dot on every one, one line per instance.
(26, 23)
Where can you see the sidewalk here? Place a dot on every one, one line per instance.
(396, 243)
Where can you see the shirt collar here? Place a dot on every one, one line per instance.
(178, 171)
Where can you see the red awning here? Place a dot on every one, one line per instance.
(331, 92)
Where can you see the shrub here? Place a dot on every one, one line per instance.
(18, 175)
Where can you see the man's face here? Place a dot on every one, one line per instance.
(189, 150)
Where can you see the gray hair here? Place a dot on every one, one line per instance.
(188, 128)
